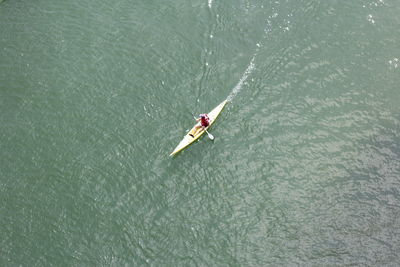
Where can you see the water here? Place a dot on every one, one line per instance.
(304, 169)
(239, 86)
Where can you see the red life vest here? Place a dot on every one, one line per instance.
(205, 121)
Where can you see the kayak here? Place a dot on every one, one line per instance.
(197, 133)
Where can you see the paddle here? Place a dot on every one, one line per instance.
(208, 134)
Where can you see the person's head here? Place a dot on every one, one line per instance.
(202, 116)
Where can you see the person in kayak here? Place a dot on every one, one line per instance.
(204, 123)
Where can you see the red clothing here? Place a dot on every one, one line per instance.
(205, 121)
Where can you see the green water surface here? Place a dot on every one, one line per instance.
(304, 169)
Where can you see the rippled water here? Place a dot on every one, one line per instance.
(304, 169)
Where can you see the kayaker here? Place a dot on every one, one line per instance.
(204, 122)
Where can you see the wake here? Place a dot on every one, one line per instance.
(238, 86)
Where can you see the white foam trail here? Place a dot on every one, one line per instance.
(238, 86)
(210, 3)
